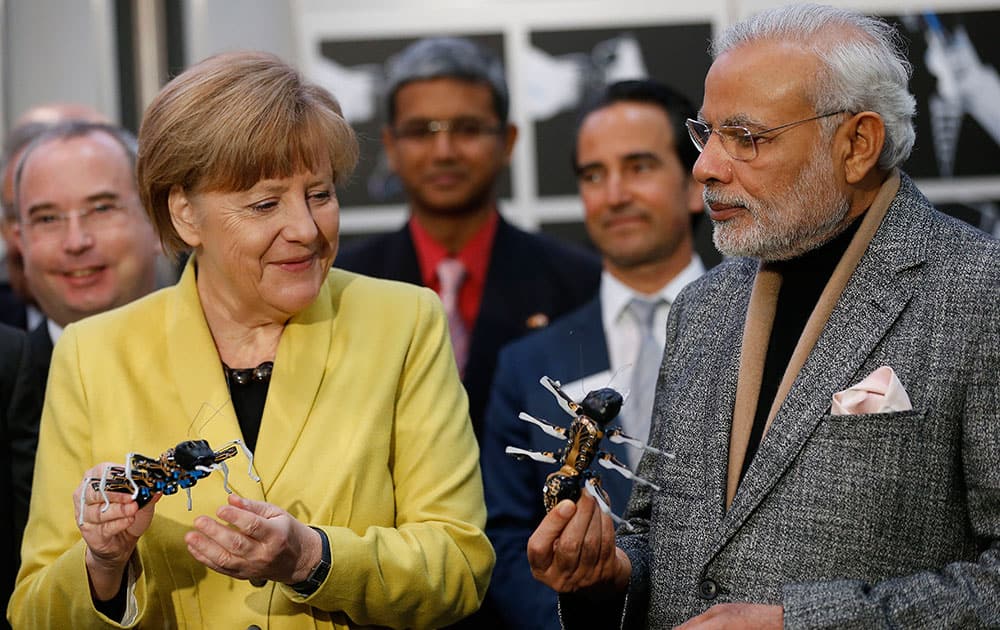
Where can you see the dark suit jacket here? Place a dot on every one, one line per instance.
(571, 348)
(857, 521)
(20, 406)
(25, 439)
(528, 274)
(12, 309)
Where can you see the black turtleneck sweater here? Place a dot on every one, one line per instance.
(802, 281)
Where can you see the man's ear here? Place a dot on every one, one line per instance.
(862, 138)
(12, 231)
(509, 138)
(389, 143)
(183, 216)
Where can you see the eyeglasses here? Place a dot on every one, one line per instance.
(53, 224)
(739, 142)
(467, 129)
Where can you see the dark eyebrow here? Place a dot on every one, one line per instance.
(589, 166)
(103, 195)
(743, 120)
(41, 207)
(641, 155)
(735, 120)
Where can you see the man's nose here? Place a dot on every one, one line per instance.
(713, 163)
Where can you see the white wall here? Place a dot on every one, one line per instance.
(58, 50)
(213, 26)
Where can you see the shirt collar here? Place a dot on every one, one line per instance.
(475, 255)
(615, 295)
(55, 330)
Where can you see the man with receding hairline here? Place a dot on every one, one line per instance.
(830, 393)
(87, 244)
(17, 306)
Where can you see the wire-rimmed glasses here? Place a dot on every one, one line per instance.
(53, 224)
(463, 129)
(738, 141)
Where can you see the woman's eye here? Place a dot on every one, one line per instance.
(265, 206)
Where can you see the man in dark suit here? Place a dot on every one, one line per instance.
(639, 199)
(87, 244)
(20, 407)
(831, 391)
(448, 139)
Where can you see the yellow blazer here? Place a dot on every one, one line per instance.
(365, 433)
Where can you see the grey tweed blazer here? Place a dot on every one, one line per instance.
(871, 521)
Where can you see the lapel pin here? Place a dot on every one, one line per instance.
(538, 320)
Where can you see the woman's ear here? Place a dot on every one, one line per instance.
(863, 139)
(183, 216)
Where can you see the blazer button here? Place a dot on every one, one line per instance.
(708, 589)
(258, 582)
(253, 627)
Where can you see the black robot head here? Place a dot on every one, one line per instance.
(602, 405)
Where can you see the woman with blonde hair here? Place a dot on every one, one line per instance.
(369, 508)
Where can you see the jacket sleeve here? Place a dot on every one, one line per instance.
(434, 566)
(52, 588)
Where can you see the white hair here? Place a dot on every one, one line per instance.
(864, 66)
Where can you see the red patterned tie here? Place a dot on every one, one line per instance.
(451, 274)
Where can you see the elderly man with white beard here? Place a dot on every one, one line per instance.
(830, 392)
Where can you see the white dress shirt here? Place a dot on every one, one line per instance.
(622, 330)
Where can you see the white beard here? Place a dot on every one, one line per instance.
(811, 212)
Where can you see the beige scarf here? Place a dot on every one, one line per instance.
(757, 332)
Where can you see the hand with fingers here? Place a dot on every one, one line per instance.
(737, 615)
(255, 541)
(110, 534)
(574, 549)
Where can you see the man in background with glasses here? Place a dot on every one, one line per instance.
(449, 140)
(87, 245)
(830, 393)
(17, 306)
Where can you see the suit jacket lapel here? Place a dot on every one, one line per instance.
(401, 258)
(502, 278)
(584, 350)
(303, 357)
(196, 370)
(41, 353)
(872, 301)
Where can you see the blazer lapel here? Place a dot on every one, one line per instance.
(196, 370)
(727, 328)
(878, 291)
(401, 258)
(503, 277)
(584, 350)
(301, 362)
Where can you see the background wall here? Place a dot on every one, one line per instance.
(113, 55)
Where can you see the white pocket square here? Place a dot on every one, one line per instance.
(879, 392)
